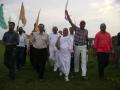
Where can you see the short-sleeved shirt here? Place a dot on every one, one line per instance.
(81, 36)
(40, 41)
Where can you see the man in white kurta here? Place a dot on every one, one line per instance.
(21, 49)
(52, 48)
(66, 47)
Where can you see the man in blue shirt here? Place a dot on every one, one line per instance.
(10, 40)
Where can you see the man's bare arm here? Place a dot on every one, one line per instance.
(69, 19)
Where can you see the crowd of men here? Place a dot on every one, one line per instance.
(62, 50)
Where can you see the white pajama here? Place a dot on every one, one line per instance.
(52, 48)
(83, 50)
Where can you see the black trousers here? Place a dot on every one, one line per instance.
(40, 57)
(32, 56)
(72, 62)
(10, 60)
(103, 60)
(20, 57)
(25, 54)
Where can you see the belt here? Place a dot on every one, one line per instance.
(11, 46)
(79, 44)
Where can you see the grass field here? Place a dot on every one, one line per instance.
(27, 78)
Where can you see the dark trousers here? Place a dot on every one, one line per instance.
(118, 57)
(103, 60)
(32, 56)
(20, 57)
(72, 62)
(40, 57)
(25, 54)
(10, 60)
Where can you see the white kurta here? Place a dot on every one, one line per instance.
(66, 47)
(52, 48)
(22, 40)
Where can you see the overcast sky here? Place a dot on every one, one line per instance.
(94, 12)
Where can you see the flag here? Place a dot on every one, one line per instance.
(66, 8)
(22, 15)
(37, 21)
(2, 20)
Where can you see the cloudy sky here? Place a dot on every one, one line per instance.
(94, 12)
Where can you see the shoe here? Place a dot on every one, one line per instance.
(55, 69)
(22, 67)
(17, 70)
(40, 77)
(11, 78)
(67, 79)
(101, 78)
(60, 74)
(76, 71)
(84, 78)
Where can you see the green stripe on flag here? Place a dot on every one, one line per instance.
(2, 20)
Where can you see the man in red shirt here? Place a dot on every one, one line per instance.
(103, 46)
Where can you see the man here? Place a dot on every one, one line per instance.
(81, 43)
(103, 46)
(31, 49)
(21, 48)
(10, 40)
(40, 41)
(71, 30)
(65, 46)
(52, 48)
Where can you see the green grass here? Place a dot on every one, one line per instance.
(27, 78)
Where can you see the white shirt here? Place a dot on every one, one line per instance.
(72, 37)
(22, 40)
(53, 39)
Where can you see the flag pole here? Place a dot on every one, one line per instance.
(37, 21)
(18, 22)
(66, 5)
